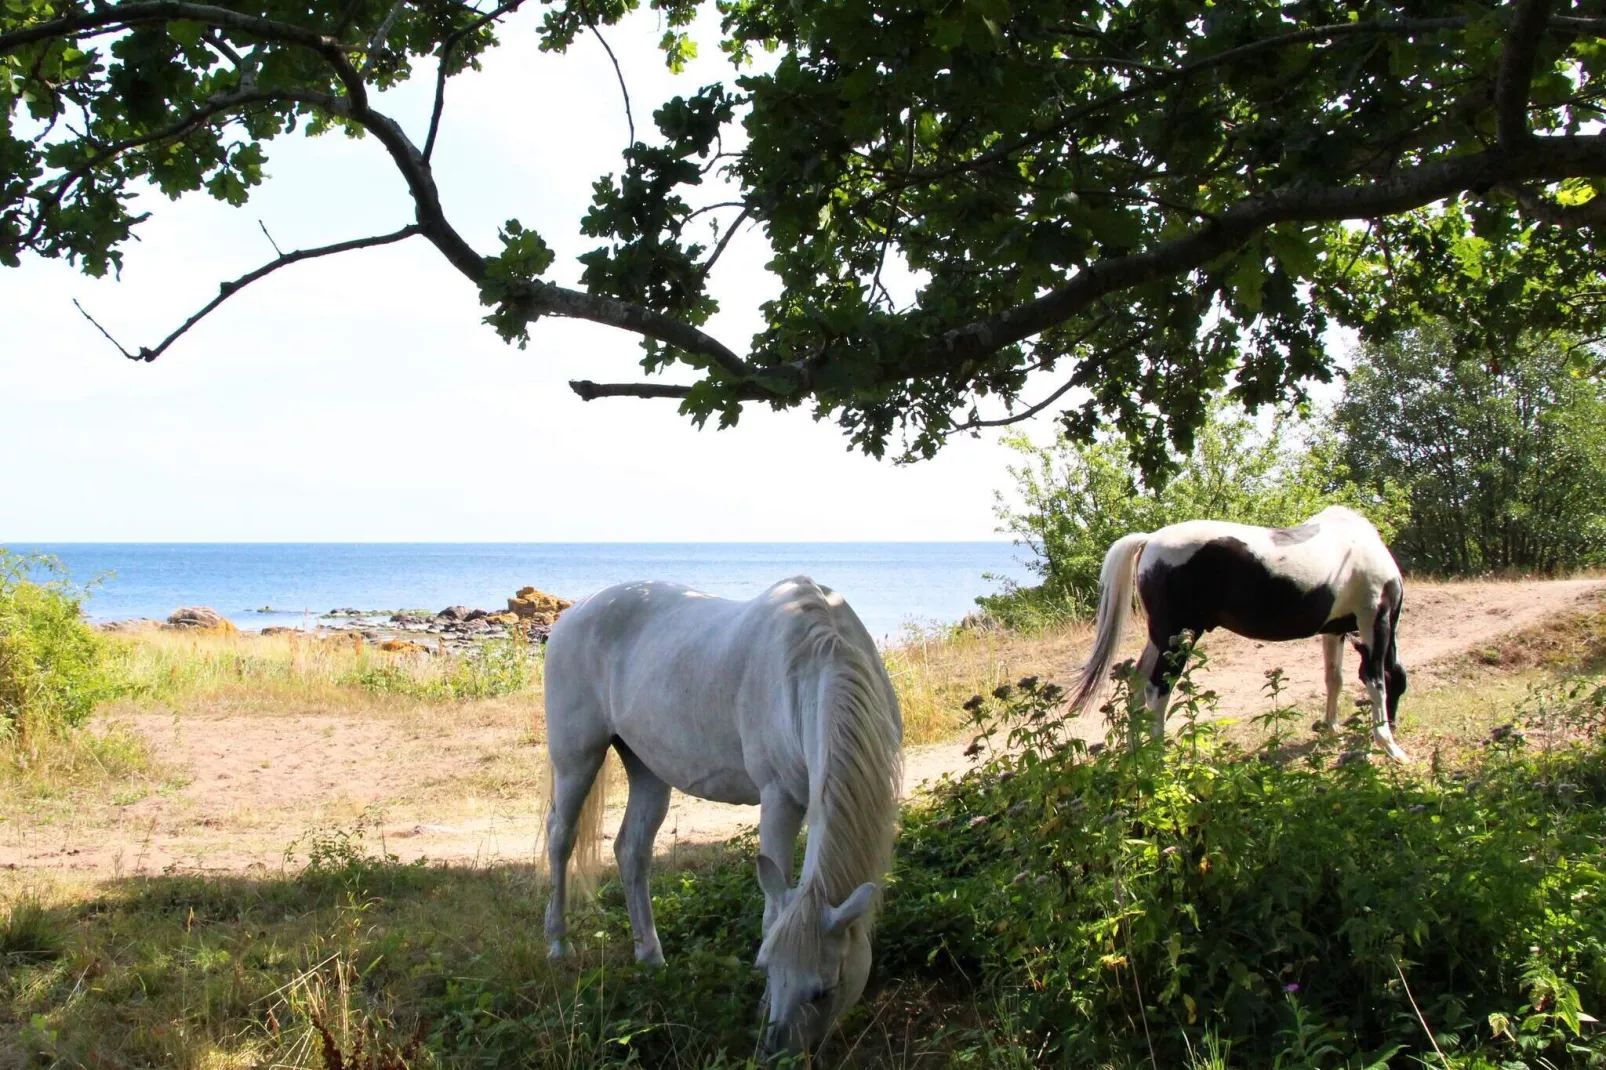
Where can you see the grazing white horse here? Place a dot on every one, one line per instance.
(782, 701)
(1330, 576)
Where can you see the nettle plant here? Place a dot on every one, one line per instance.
(1293, 903)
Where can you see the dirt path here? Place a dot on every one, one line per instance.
(466, 791)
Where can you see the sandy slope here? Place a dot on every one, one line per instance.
(464, 792)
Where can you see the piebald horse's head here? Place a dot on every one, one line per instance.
(816, 958)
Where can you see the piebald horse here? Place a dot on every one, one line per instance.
(782, 701)
(1330, 576)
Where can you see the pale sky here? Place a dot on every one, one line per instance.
(360, 398)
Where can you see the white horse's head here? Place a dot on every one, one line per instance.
(816, 958)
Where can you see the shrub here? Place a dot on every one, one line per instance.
(495, 667)
(1306, 912)
(53, 668)
(1502, 452)
(1077, 500)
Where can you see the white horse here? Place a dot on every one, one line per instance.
(1330, 576)
(781, 701)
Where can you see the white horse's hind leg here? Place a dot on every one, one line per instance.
(779, 819)
(644, 814)
(1333, 658)
(571, 783)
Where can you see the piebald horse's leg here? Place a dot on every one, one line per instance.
(779, 819)
(644, 814)
(1333, 658)
(571, 783)
(1156, 696)
(1375, 627)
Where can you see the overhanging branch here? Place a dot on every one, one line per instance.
(1514, 81)
(229, 289)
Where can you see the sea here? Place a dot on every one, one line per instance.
(894, 587)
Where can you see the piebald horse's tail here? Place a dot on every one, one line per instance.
(1116, 581)
(586, 861)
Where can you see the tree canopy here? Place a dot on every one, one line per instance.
(1149, 200)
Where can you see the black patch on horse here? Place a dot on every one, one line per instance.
(1289, 536)
(1224, 585)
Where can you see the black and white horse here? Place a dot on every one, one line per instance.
(1330, 576)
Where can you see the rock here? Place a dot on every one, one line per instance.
(200, 618)
(279, 630)
(401, 646)
(476, 614)
(454, 613)
(537, 606)
(503, 618)
(138, 624)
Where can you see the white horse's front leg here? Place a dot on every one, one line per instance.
(779, 819)
(1333, 659)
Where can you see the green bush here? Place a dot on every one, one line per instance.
(495, 667)
(54, 668)
(1503, 453)
(1074, 501)
(1306, 912)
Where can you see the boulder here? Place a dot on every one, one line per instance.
(454, 613)
(537, 607)
(199, 618)
(280, 630)
(138, 624)
(401, 646)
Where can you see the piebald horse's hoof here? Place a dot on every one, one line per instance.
(1392, 748)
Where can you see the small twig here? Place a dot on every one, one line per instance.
(377, 41)
(445, 59)
(104, 331)
(630, 119)
(730, 232)
(277, 251)
(1442, 1060)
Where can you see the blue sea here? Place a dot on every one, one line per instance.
(890, 585)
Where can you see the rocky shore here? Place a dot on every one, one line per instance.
(529, 617)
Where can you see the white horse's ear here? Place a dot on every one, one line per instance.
(852, 909)
(770, 879)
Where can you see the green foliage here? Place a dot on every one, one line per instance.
(28, 932)
(53, 668)
(1502, 451)
(1151, 199)
(1297, 910)
(1076, 500)
(495, 667)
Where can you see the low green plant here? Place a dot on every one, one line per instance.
(54, 668)
(493, 668)
(1295, 902)
(28, 932)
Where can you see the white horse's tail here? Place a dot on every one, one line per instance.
(1116, 581)
(586, 861)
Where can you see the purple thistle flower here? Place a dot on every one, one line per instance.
(1291, 987)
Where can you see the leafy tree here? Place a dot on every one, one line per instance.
(1151, 200)
(1076, 500)
(1503, 454)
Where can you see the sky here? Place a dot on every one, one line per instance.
(360, 398)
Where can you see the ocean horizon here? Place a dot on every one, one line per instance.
(891, 585)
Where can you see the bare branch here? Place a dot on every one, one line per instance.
(229, 289)
(730, 232)
(445, 52)
(590, 391)
(1018, 417)
(1515, 78)
(277, 251)
(108, 335)
(630, 119)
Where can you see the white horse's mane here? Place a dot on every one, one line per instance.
(853, 797)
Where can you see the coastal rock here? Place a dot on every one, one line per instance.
(137, 624)
(477, 614)
(454, 613)
(536, 606)
(280, 630)
(199, 618)
(401, 646)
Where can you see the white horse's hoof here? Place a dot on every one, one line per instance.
(652, 959)
(557, 949)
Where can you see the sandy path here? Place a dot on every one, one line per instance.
(466, 791)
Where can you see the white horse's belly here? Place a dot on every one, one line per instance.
(699, 762)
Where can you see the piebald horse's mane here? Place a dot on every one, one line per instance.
(854, 791)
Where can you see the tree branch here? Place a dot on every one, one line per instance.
(630, 119)
(445, 51)
(590, 391)
(229, 289)
(730, 232)
(1515, 78)
(1546, 210)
